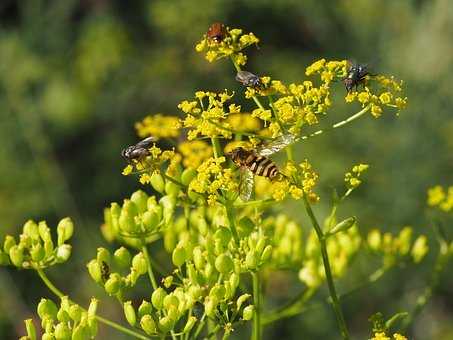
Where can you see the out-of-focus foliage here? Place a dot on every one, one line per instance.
(76, 75)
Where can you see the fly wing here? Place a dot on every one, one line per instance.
(145, 143)
(276, 145)
(246, 185)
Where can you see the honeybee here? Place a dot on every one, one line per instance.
(138, 151)
(256, 163)
(356, 75)
(216, 32)
(248, 79)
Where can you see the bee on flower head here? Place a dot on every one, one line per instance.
(216, 32)
(138, 151)
(356, 75)
(256, 163)
(249, 79)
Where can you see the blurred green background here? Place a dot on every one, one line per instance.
(76, 75)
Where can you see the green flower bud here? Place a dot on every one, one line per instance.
(44, 231)
(166, 324)
(189, 324)
(188, 175)
(47, 336)
(130, 207)
(63, 253)
(234, 280)
(37, 252)
(217, 292)
(127, 223)
(170, 300)
(65, 229)
(157, 182)
(198, 258)
(140, 198)
(260, 245)
(192, 273)
(251, 260)
(224, 264)
(223, 235)
(195, 292)
(172, 189)
(92, 308)
(103, 255)
(241, 300)
(245, 226)
(65, 304)
(115, 211)
(9, 243)
(31, 229)
(343, 226)
(62, 331)
(129, 312)
(168, 204)
(16, 254)
(148, 325)
(248, 312)
(63, 316)
(267, 253)
(122, 257)
(145, 308)
(210, 306)
(173, 313)
(75, 312)
(157, 298)
(113, 284)
(420, 248)
(374, 240)
(150, 220)
(48, 247)
(92, 326)
(81, 332)
(139, 263)
(167, 281)
(47, 309)
(179, 256)
(31, 330)
(95, 271)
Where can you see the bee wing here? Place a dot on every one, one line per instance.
(246, 185)
(276, 145)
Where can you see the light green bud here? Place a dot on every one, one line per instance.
(210, 306)
(223, 235)
(168, 281)
(248, 313)
(198, 258)
(31, 229)
(145, 308)
(9, 243)
(92, 308)
(404, 240)
(95, 271)
(44, 231)
(189, 324)
(170, 300)
(179, 256)
(113, 284)
(343, 226)
(139, 263)
(224, 264)
(103, 255)
(37, 252)
(260, 245)
(192, 273)
(150, 220)
(122, 257)
(31, 330)
(65, 304)
(62, 331)
(166, 324)
(48, 247)
(172, 189)
(75, 312)
(63, 316)
(168, 204)
(267, 253)
(420, 248)
(157, 298)
(241, 299)
(157, 182)
(47, 309)
(47, 336)
(217, 292)
(173, 313)
(251, 260)
(16, 254)
(80, 332)
(65, 229)
(195, 292)
(234, 280)
(129, 312)
(126, 223)
(148, 325)
(63, 253)
(188, 175)
(92, 326)
(140, 198)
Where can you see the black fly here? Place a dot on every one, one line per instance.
(356, 75)
(248, 79)
(138, 151)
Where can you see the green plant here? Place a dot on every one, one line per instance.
(223, 247)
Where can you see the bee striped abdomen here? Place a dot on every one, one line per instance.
(263, 166)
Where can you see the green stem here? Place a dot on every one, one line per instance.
(256, 334)
(152, 279)
(105, 321)
(255, 202)
(230, 214)
(338, 124)
(200, 326)
(329, 278)
(216, 147)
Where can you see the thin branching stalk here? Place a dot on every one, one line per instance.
(257, 327)
(152, 279)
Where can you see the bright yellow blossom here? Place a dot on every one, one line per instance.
(158, 126)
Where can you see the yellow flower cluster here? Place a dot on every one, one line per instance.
(243, 122)
(309, 180)
(230, 46)
(194, 153)
(352, 178)
(212, 178)
(438, 197)
(328, 70)
(158, 126)
(387, 93)
(383, 336)
(207, 116)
